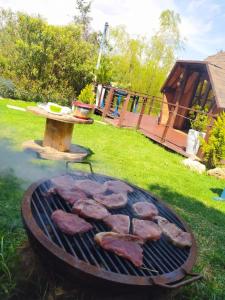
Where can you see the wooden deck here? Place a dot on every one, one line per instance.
(175, 139)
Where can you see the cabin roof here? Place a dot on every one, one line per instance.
(214, 65)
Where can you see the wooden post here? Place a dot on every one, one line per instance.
(132, 105)
(198, 97)
(164, 111)
(151, 105)
(108, 103)
(124, 110)
(58, 135)
(173, 113)
(170, 122)
(205, 96)
(196, 83)
(142, 112)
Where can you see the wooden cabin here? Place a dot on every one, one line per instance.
(193, 83)
(166, 120)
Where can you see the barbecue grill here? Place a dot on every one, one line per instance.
(79, 259)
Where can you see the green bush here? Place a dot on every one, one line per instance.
(87, 95)
(199, 121)
(45, 62)
(214, 148)
(7, 88)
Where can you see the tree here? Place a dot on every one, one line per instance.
(104, 73)
(141, 64)
(83, 18)
(45, 61)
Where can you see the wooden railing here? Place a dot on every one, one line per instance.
(152, 105)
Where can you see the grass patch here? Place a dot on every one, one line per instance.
(121, 153)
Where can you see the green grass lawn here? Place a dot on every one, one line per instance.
(121, 153)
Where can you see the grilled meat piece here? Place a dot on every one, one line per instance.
(147, 230)
(64, 181)
(118, 223)
(90, 209)
(112, 200)
(174, 234)
(145, 210)
(124, 245)
(117, 186)
(71, 195)
(70, 223)
(90, 187)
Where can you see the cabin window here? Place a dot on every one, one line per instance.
(204, 96)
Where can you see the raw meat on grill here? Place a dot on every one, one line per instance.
(90, 187)
(174, 234)
(112, 200)
(64, 181)
(69, 195)
(145, 210)
(124, 245)
(90, 209)
(70, 223)
(147, 230)
(118, 223)
(117, 186)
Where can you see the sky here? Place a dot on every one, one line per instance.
(202, 21)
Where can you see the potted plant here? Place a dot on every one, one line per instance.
(84, 105)
(199, 122)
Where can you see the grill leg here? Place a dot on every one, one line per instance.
(80, 162)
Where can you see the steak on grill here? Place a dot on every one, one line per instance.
(174, 234)
(69, 223)
(117, 186)
(70, 195)
(64, 181)
(145, 210)
(90, 209)
(147, 230)
(118, 223)
(90, 187)
(124, 245)
(112, 200)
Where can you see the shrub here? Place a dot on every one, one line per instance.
(7, 88)
(214, 148)
(45, 62)
(87, 95)
(199, 121)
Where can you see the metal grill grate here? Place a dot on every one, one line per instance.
(160, 256)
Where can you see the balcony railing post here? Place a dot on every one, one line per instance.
(142, 112)
(151, 105)
(172, 115)
(124, 110)
(170, 121)
(108, 103)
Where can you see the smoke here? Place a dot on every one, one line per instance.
(26, 165)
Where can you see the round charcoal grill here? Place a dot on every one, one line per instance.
(78, 257)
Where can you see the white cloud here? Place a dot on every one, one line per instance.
(141, 17)
(55, 11)
(198, 26)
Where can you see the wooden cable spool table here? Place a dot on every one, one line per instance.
(56, 144)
